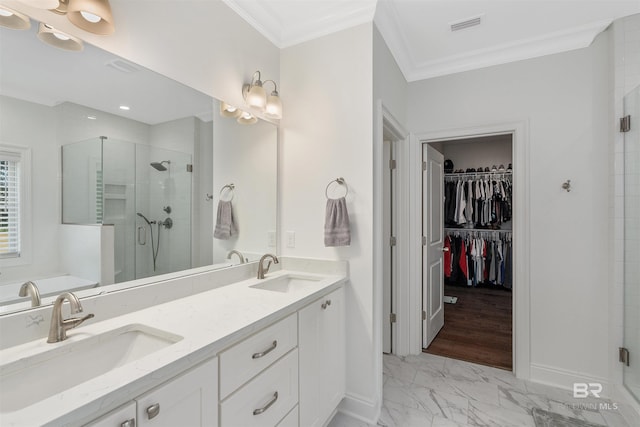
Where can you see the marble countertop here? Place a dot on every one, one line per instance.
(208, 322)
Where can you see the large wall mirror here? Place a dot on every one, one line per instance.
(123, 174)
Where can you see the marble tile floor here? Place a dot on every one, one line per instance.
(429, 390)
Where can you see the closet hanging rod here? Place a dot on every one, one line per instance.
(503, 174)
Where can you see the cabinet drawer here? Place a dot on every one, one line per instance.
(246, 359)
(266, 399)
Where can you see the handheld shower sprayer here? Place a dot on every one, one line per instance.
(145, 218)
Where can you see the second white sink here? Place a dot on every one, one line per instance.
(288, 283)
(37, 377)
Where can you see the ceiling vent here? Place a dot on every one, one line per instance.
(123, 66)
(466, 23)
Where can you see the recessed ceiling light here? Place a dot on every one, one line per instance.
(92, 117)
(125, 107)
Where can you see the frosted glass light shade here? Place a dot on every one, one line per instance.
(257, 97)
(91, 15)
(247, 119)
(58, 39)
(9, 18)
(227, 110)
(42, 4)
(273, 110)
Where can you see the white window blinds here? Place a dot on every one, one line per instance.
(9, 205)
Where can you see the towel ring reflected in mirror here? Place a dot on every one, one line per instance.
(229, 192)
(339, 181)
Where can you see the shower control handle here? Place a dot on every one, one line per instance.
(167, 223)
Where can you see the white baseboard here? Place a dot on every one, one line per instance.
(565, 379)
(360, 408)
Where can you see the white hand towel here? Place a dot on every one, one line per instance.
(225, 223)
(337, 231)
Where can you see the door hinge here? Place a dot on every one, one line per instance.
(624, 355)
(392, 241)
(424, 241)
(392, 318)
(424, 315)
(392, 164)
(625, 124)
(424, 166)
(189, 168)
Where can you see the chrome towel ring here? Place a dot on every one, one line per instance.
(339, 181)
(229, 188)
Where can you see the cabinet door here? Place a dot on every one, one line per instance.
(191, 400)
(124, 416)
(321, 347)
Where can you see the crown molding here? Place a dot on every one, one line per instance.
(556, 42)
(263, 17)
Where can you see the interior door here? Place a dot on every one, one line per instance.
(433, 243)
(389, 232)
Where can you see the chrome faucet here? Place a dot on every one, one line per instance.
(242, 259)
(261, 269)
(59, 326)
(30, 289)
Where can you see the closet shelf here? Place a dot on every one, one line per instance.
(477, 229)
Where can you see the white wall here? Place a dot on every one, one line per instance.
(564, 98)
(18, 121)
(250, 163)
(479, 153)
(327, 133)
(389, 83)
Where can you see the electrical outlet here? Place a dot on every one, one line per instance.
(271, 239)
(291, 239)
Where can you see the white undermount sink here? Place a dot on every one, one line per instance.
(288, 283)
(68, 364)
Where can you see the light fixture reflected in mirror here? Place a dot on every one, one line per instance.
(56, 38)
(247, 118)
(91, 15)
(9, 18)
(227, 110)
(256, 97)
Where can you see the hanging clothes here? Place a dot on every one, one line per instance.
(483, 200)
(478, 258)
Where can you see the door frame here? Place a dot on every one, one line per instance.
(521, 340)
(386, 122)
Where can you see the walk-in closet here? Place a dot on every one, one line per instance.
(477, 254)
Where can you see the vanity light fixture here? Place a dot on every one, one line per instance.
(247, 118)
(93, 16)
(256, 97)
(9, 18)
(58, 39)
(228, 110)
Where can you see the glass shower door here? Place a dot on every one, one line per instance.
(632, 243)
(163, 205)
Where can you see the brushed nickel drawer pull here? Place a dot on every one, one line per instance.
(153, 411)
(265, 352)
(267, 406)
(129, 423)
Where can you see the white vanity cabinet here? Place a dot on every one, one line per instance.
(190, 399)
(259, 377)
(321, 348)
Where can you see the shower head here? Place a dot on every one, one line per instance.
(145, 218)
(159, 165)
